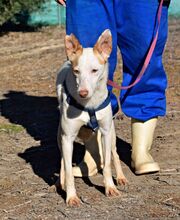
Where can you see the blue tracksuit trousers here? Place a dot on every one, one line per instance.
(133, 25)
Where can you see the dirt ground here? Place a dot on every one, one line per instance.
(29, 157)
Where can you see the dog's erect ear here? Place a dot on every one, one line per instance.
(103, 46)
(73, 47)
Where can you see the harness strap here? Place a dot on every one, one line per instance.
(148, 57)
(93, 123)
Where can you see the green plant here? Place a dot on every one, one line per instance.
(9, 9)
(11, 128)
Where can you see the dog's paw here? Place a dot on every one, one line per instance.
(122, 181)
(112, 191)
(73, 201)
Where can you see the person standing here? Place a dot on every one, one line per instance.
(133, 25)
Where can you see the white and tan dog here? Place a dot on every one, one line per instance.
(82, 85)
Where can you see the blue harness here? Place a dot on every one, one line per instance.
(93, 123)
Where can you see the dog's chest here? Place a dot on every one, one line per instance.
(71, 112)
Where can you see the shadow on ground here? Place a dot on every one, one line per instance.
(39, 116)
(124, 151)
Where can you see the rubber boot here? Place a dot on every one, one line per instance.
(142, 137)
(93, 159)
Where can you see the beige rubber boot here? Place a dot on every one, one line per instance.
(93, 159)
(142, 137)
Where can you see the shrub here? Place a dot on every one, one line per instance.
(9, 9)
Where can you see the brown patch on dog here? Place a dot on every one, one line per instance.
(103, 47)
(85, 133)
(73, 48)
(98, 55)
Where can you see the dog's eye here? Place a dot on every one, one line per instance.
(94, 70)
(76, 71)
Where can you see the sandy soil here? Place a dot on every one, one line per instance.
(29, 157)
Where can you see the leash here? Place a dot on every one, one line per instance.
(148, 57)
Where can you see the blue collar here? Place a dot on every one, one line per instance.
(93, 123)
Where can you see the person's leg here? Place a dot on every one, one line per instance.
(135, 28)
(87, 19)
(136, 21)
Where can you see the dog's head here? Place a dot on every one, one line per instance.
(89, 63)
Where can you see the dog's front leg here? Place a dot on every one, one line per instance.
(67, 150)
(110, 188)
(121, 179)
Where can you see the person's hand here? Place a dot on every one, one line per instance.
(61, 2)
